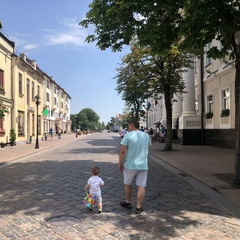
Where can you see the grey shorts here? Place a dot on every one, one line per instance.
(98, 197)
(141, 177)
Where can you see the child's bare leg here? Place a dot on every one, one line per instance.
(100, 206)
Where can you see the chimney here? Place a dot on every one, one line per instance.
(23, 57)
(34, 64)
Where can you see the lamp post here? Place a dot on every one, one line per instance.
(236, 180)
(37, 104)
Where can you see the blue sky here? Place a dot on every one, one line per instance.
(47, 31)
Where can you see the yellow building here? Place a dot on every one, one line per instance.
(6, 51)
(27, 84)
(21, 81)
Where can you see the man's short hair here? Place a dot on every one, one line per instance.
(135, 123)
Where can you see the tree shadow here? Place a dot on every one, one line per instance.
(45, 186)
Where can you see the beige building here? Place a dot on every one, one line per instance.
(27, 84)
(215, 98)
(21, 81)
(205, 113)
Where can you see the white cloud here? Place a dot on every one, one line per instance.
(30, 46)
(70, 33)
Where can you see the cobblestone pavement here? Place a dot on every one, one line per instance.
(41, 197)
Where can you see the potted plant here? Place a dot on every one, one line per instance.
(2, 144)
(225, 112)
(209, 115)
(12, 137)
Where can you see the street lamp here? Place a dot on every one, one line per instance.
(37, 104)
(236, 180)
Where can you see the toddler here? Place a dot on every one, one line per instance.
(94, 184)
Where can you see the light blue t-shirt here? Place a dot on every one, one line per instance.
(137, 143)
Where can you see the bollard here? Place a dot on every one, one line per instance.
(45, 136)
(30, 140)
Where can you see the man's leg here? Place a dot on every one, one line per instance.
(128, 193)
(140, 196)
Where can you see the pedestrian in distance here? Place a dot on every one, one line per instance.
(59, 134)
(123, 132)
(134, 151)
(151, 135)
(94, 184)
(51, 133)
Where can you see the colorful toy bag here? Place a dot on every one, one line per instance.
(89, 200)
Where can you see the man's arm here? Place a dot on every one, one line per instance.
(122, 154)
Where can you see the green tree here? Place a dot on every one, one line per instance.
(132, 82)
(117, 22)
(75, 122)
(143, 75)
(88, 119)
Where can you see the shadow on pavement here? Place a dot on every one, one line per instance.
(33, 191)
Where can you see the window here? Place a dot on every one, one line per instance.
(48, 84)
(1, 79)
(33, 122)
(20, 83)
(1, 123)
(61, 94)
(207, 60)
(38, 91)
(39, 124)
(225, 99)
(210, 103)
(28, 92)
(61, 104)
(33, 90)
(20, 123)
(48, 98)
(55, 89)
(55, 101)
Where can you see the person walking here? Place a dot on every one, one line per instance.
(51, 133)
(94, 184)
(59, 134)
(151, 135)
(134, 150)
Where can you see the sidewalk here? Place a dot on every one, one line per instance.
(209, 165)
(11, 153)
(212, 166)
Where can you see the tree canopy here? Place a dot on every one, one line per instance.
(143, 74)
(117, 22)
(87, 119)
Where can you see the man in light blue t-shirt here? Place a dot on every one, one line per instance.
(134, 150)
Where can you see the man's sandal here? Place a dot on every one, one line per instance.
(126, 205)
(139, 210)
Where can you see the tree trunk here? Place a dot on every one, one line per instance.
(236, 180)
(168, 105)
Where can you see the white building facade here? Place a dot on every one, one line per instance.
(205, 112)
